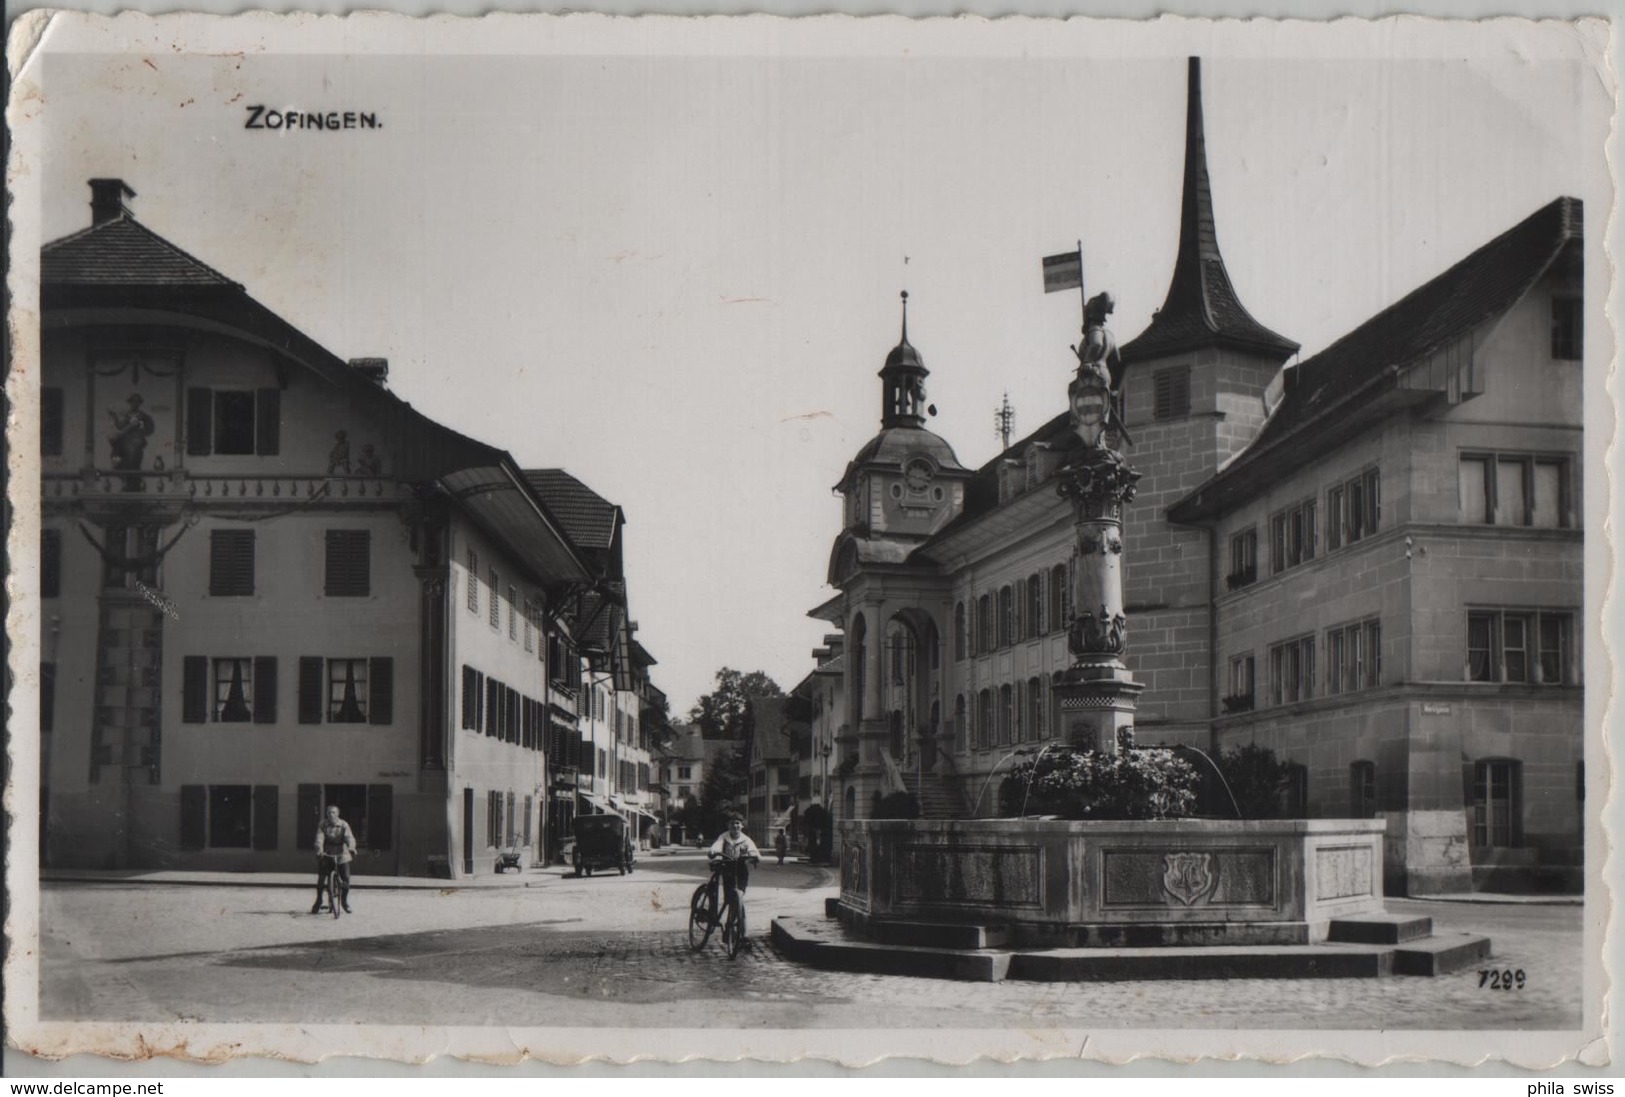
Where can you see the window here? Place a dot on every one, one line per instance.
(961, 742)
(1035, 709)
(1035, 606)
(1292, 536)
(473, 581)
(231, 563)
(346, 691)
(530, 639)
(233, 421)
(1534, 646)
(959, 630)
(1353, 509)
(233, 691)
(50, 563)
(231, 809)
(1242, 674)
(236, 690)
(1243, 559)
(1007, 621)
(1496, 804)
(513, 613)
(493, 818)
(231, 817)
(1509, 489)
(1292, 671)
(352, 690)
(685, 773)
(50, 422)
(984, 625)
(1172, 393)
(1006, 714)
(984, 718)
(349, 563)
(1568, 329)
(1363, 790)
(1060, 597)
(496, 599)
(1354, 657)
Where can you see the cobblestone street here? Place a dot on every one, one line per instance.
(613, 951)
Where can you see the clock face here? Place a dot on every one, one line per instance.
(917, 475)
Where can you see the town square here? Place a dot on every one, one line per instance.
(796, 530)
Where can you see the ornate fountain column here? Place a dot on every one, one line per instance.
(1095, 697)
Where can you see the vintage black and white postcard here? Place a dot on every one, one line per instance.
(566, 537)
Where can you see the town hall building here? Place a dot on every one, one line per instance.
(1368, 561)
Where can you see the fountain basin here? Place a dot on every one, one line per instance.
(1053, 883)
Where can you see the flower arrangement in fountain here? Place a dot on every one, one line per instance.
(1086, 784)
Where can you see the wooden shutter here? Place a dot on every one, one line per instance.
(50, 563)
(194, 813)
(470, 685)
(199, 422)
(493, 690)
(50, 422)
(265, 689)
(194, 689)
(349, 560)
(310, 816)
(310, 690)
(1018, 624)
(231, 562)
(381, 690)
(380, 816)
(268, 422)
(265, 804)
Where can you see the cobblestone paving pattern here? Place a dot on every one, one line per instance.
(615, 952)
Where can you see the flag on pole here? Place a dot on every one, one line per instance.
(1063, 271)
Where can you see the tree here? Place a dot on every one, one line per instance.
(724, 713)
(724, 790)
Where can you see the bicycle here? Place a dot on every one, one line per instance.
(701, 921)
(326, 881)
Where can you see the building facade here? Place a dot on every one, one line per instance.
(1368, 561)
(269, 586)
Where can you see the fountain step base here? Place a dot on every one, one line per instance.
(1441, 955)
(831, 945)
(1379, 929)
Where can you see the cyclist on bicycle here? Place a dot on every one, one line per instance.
(334, 840)
(731, 856)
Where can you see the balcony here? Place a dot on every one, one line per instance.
(174, 488)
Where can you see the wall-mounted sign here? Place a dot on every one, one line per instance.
(1435, 708)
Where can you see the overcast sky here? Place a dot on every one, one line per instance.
(676, 276)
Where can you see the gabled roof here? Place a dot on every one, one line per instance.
(1355, 371)
(588, 517)
(119, 272)
(1201, 309)
(123, 252)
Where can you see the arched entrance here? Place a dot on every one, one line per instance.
(910, 689)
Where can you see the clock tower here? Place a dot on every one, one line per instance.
(905, 484)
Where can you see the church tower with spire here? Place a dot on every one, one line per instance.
(1194, 390)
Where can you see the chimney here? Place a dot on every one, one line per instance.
(375, 370)
(107, 200)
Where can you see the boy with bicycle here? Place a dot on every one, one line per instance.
(734, 852)
(335, 841)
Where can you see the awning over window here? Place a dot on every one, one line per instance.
(596, 801)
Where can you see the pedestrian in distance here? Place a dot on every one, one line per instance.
(781, 846)
(334, 839)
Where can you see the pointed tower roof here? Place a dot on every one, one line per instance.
(1201, 308)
